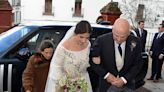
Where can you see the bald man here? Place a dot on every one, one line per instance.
(116, 58)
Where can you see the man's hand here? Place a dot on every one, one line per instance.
(161, 56)
(118, 82)
(111, 78)
(150, 53)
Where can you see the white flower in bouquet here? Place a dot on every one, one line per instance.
(68, 84)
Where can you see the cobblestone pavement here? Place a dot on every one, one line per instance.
(150, 86)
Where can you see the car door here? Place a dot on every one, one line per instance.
(13, 63)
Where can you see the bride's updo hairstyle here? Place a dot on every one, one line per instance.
(83, 27)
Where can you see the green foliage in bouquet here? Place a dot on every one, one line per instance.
(68, 84)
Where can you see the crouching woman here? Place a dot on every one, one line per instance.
(35, 75)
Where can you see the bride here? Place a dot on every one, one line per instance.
(70, 62)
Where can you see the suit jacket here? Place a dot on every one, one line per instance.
(157, 46)
(142, 38)
(104, 47)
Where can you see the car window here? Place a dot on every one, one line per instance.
(97, 32)
(54, 35)
(30, 44)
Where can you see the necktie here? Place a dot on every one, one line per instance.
(120, 49)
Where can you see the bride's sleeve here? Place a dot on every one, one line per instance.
(56, 66)
(55, 70)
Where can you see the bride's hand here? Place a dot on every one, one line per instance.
(96, 60)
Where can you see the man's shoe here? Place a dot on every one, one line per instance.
(150, 79)
(160, 77)
(139, 84)
(156, 80)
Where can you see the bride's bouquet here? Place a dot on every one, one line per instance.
(68, 84)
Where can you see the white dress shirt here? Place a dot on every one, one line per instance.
(160, 34)
(118, 57)
(140, 32)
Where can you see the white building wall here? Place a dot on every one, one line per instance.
(92, 8)
(32, 9)
(63, 9)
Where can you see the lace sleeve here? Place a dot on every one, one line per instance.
(56, 67)
(55, 70)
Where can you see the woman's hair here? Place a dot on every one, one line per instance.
(83, 27)
(46, 44)
(99, 19)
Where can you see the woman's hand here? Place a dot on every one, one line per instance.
(28, 91)
(96, 60)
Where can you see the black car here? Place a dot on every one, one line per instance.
(20, 42)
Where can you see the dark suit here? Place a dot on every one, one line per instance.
(104, 47)
(157, 48)
(142, 38)
(142, 74)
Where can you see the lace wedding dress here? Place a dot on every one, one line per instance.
(66, 62)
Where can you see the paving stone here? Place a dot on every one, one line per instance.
(150, 86)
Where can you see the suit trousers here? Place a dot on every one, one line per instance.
(117, 89)
(156, 68)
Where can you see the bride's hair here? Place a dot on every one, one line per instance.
(83, 27)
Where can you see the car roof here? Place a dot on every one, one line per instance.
(58, 23)
(44, 23)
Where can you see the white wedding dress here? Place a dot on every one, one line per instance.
(66, 62)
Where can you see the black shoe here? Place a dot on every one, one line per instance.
(160, 77)
(156, 80)
(150, 78)
(139, 84)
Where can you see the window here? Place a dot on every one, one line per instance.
(16, 2)
(140, 12)
(54, 34)
(16, 11)
(78, 8)
(16, 17)
(97, 32)
(30, 43)
(48, 7)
